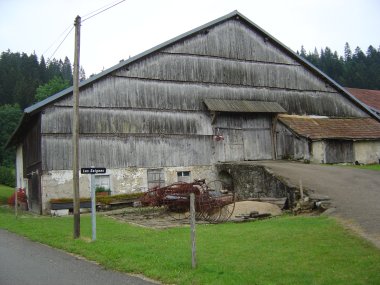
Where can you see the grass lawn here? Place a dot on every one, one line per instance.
(366, 166)
(5, 193)
(285, 250)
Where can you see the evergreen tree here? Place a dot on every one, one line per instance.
(347, 52)
(67, 73)
(353, 70)
(9, 118)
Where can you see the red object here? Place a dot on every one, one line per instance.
(218, 138)
(21, 197)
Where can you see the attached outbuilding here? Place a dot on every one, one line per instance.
(329, 140)
(214, 94)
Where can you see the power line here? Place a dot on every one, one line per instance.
(61, 42)
(89, 17)
(57, 40)
(93, 12)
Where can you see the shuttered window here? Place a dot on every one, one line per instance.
(156, 178)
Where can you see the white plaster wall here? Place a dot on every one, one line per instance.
(367, 152)
(20, 182)
(58, 183)
(196, 172)
(128, 180)
(318, 152)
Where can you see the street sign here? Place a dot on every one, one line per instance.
(93, 170)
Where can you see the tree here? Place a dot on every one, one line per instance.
(67, 73)
(53, 86)
(347, 52)
(82, 74)
(9, 118)
(358, 69)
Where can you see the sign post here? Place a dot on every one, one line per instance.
(93, 206)
(92, 171)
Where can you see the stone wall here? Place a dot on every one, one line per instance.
(255, 181)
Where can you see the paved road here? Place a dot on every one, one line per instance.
(354, 192)
(28, 263)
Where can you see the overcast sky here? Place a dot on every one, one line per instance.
(137, 25)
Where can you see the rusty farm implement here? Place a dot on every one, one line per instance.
(214, 202)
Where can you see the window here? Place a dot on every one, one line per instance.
(156, 178)
(183, 176)
(102, 181)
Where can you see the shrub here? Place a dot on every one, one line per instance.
(7, 176)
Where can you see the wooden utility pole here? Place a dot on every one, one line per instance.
(75, 129)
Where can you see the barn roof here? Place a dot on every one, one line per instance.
(38, 107)
(243, 106)
(233, 15)
(317, 128)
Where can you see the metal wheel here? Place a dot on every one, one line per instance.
(226, 211)
(222, 202)
(178, 214)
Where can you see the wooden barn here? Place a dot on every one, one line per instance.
(225, 91)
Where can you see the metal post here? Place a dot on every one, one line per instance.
(75, 129)
(192, 226)
(93, 206)
(16, 202)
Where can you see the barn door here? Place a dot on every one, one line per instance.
(34, 189)
(257, 144)
(257, 137)
(339, 151)
(233, 147)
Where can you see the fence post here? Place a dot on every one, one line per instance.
(192, 226)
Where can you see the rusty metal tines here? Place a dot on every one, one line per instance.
(214, 202)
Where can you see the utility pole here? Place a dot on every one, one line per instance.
(75, 129)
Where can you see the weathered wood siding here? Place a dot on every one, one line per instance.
(290, 146)
(32, 164)
(151, 112)
(129, 151)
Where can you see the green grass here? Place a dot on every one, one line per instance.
(286, 250)
(368, 166)
(364, 166)
(5, 193)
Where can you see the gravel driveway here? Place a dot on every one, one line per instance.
(355, 193)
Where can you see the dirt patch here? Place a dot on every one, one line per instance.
(158, 218)
(246, 207)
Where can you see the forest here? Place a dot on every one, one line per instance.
(354, 69)
(28, 79)
(24, 80)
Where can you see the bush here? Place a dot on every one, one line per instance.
(7, 176)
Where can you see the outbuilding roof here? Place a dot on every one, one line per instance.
(318, 128)
(243, 106)
(368, 97)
